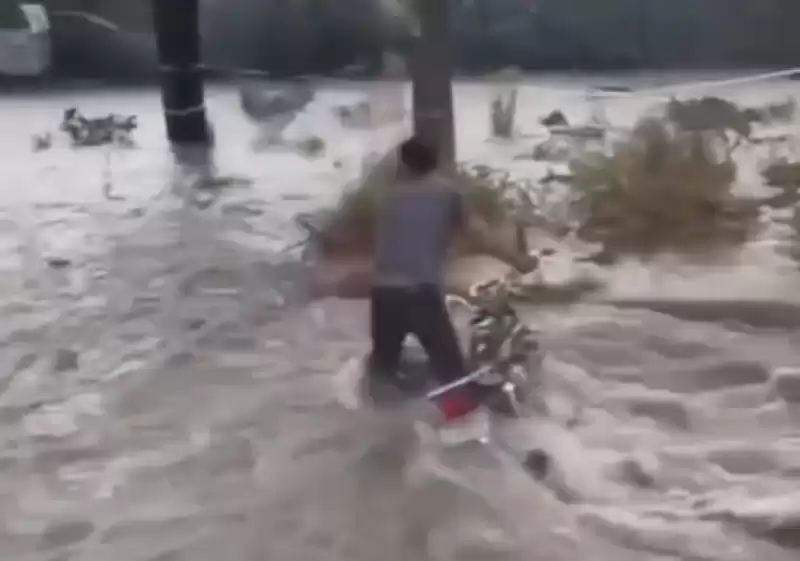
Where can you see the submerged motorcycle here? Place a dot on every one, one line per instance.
(504, 356)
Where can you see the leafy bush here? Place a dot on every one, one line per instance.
(659, 188)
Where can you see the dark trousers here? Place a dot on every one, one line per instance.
(419, 311)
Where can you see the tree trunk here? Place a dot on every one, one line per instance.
(432, 75)
(177, 27)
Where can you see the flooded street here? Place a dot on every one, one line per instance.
(166, 386)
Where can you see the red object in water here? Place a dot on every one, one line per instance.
(455, 404)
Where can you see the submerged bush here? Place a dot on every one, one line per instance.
(711, 114)
(311, 147)
(659, 189)
(778, 112)
(503, 108)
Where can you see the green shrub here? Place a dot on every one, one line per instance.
(659, 188)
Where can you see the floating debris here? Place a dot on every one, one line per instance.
(112, 129)
(42, 142)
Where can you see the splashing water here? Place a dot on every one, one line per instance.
(167, 385)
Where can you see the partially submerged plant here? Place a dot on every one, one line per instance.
(555, 118)
(778, 112)
(493, 194)
(502, 115)
(659, 188)
(504, 103)
(710, 114)
(311, 147)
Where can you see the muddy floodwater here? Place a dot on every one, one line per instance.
(166, 385)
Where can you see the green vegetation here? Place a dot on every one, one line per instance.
(660, 190)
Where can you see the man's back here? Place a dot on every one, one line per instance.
(414, 224)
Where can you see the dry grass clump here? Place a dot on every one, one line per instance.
(660, 189)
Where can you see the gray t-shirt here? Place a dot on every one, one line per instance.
(415, 222)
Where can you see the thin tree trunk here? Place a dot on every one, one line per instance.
(432, 74)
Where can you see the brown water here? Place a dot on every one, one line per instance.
(201, 420)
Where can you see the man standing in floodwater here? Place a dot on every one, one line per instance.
(416, 221)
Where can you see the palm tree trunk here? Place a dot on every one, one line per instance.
(432, 74)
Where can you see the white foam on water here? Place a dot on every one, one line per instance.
(222, 434)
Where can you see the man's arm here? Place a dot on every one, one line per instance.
(485, 240)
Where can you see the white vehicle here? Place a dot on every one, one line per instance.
(24, 40)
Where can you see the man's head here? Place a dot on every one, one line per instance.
(418, 157)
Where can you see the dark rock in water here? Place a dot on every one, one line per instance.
(554, 119)
(786, 384)
(65, 359)
(602, 257)
(537, 462)
(635, 472)
(744, 459)
(615, 89)
(668, 411)
(788, 536)
(42, 141)
(66, 533)
(58, 262)
(194, 324)
(25, 361)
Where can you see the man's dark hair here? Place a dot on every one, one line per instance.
(418, 157)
